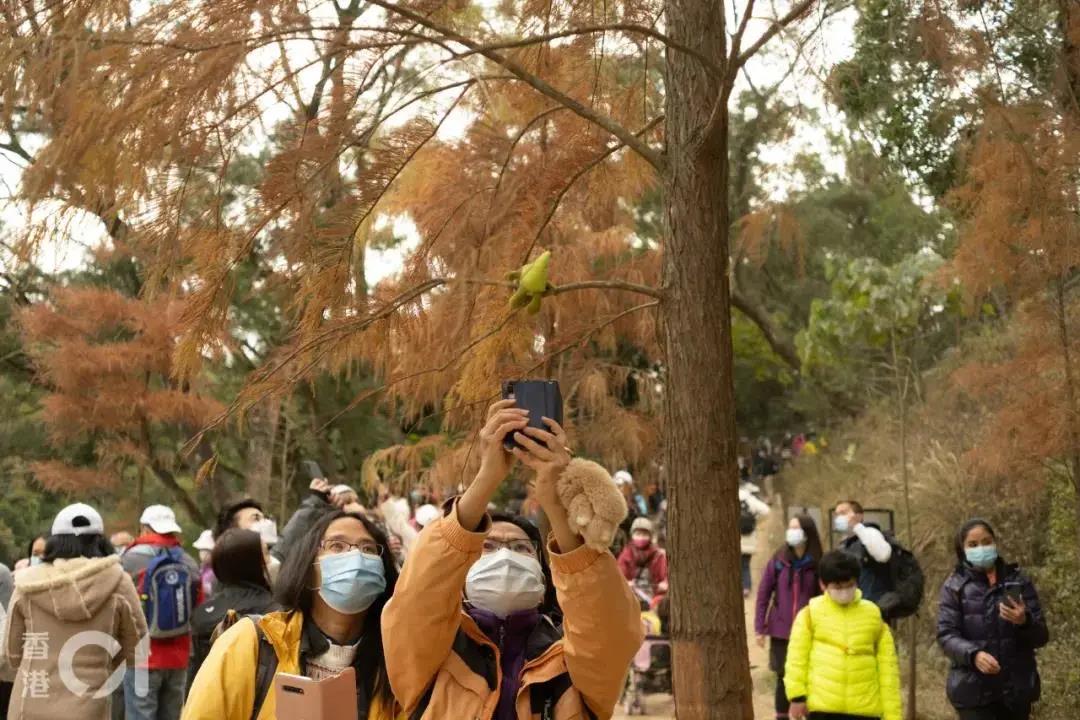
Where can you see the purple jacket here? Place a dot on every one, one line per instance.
(786, 587)
(510, 635)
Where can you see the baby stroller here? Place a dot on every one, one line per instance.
(650, 670)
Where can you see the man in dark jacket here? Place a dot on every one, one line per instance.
(991, 638)
(322, 499)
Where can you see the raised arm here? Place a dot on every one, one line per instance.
(875, 543)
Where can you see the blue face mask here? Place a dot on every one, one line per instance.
(351, 581)
(983, 557)
(35, 560)
(840, 523)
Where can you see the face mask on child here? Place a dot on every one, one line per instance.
(842, 596)
(642, 541)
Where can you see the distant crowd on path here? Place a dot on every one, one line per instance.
(828, 617)
(448, 609)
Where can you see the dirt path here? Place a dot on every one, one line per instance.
(662, 707)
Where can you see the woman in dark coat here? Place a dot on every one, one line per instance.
(990, 623)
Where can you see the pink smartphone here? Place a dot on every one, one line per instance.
(301, 698)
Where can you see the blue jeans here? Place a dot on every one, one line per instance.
(163, 702)
(747, 583)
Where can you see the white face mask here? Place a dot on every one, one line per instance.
(796, 537)
(505, 582)
(842, 596)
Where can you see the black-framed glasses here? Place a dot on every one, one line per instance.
(525, 547)
(337, 547)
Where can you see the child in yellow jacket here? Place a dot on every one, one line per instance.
(841, 660)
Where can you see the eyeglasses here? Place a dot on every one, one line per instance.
(337, 547)
(525, 547)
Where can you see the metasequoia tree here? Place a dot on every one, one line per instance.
(139, 100)
(113, 403)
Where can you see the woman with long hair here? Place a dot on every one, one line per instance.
(788, 583)
(331, 589)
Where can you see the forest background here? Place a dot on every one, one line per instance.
(283, 231)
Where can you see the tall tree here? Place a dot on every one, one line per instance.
(140, 98)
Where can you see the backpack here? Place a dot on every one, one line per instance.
(908, 582)
(747, 520)
(166, 591)
(266, 664)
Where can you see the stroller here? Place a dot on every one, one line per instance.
(650, 671)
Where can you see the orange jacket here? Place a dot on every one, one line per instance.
(441, 665)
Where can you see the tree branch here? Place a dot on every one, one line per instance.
(652, 156)
(794, 14)
(629, 28)
(782, 346)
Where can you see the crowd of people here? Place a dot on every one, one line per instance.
(449, 609)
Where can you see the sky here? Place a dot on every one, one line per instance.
(827, 47)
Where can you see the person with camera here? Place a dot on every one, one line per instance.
(473, 629)
(990, 623)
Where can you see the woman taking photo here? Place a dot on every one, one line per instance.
(990, 623)
(238, 561)
(332, 589)
(788, 583)
(78, 588)
(472, 631)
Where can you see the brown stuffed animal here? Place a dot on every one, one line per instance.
(594, 505)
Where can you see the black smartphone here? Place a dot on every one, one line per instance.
(1014, 592)
(312, 470)
(542, 398)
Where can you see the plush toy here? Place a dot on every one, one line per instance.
(594, 505)
(532, 283)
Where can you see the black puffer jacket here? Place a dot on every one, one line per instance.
(969, 621)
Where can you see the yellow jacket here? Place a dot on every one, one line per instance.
(224, 689)
(841, 659)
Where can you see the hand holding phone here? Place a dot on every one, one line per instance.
(541, 398)
(1013, 609)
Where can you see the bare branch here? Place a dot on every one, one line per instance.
(736, 42)
(652, 156)
(794, 14)
(783, 347)
(629, 28)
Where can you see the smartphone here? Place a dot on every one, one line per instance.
(542, 398)
(312, 470)
(301, 698)
(1014, 592)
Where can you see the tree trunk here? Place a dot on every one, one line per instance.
(262, 431)
(1062, 308)
(711, 665)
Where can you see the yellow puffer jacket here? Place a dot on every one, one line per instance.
(224, 689)
(841, 659)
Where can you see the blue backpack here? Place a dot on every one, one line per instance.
(166, 591)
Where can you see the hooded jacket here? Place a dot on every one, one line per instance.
(52, 605)
(443, 666)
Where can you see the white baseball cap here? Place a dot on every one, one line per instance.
(205, 541)
(90, 522)
(623, 478)
(426, 514)
(341, 489)
(161, 520)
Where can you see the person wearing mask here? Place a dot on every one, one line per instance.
(868, 545)
(158, 551)
(246, 513)
(787, 585)
(238, 560)
(751, 510)
(322, 498)
(205, 546)
(35, 553)
(990, 623)
(332, 590)
(643, 564)
(473, 629)
(79, 588)
(841, 660)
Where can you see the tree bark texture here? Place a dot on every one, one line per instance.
(711, 665)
